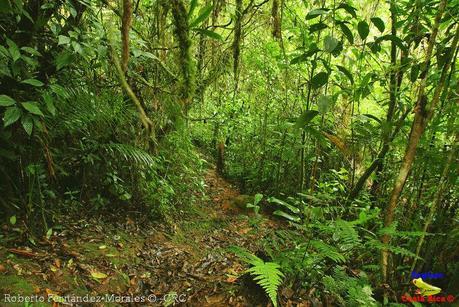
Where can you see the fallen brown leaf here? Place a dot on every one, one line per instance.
(23, 252)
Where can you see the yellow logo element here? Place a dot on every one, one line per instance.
(424, 288)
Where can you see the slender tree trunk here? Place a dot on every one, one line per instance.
(182, 34)
(125, 27)
(438, 197)
(421, 118)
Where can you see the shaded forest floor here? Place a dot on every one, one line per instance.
(184, 264)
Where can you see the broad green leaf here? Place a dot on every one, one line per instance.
(32, 107)
(379, 23)
(31, 51)
(363, 29)
(6, 101)
(315, 13)
(203, 14)
(48, 99)
(49, 233)
(13, 220)
(347, 32)
(395, 39)
(287, 216)
(13, 49)
(414, 72)
(301, 58)
(317, 27)
(33, 82)
(374, 47)
(257, 198)
(346, 72)
(372, 117)
(330, 43)
(305, 118)
(27, 15)
(323, 103)
(63, 59)
(27, 124)
(12, 114)
(209, 33)
(77, 47)
(63, 40)
(293, 209)
(348, 8)
(319, 80)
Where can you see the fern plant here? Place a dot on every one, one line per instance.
(266, 274)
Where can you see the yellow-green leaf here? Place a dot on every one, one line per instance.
(98, 275)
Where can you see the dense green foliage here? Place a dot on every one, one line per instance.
(342, 113)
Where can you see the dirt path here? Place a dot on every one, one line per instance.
(128, 259)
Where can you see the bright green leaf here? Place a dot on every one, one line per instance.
(330, 43)
(31, 51)
(323, 103)
(12, 114)
(6, 101)
(63, 40)
(32, 107)
(193, 5)
(209, 33)
(203, 14)
(27, 124)
(13, 49)
(33, 82)
(98, 275)
(287, 216)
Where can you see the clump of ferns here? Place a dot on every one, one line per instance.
(266, 274)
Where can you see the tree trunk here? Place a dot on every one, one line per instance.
(421, 118)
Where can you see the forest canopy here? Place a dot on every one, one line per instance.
(318, 140)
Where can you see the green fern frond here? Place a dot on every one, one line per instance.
(394, 249)
(244, 255)
(267, 274)
(393, 232)
(328, 251)
(346, 232)
(269, 277)
(131, 153)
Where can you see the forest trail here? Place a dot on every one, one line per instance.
(130, 258)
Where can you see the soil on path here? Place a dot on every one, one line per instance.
(130, 258)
